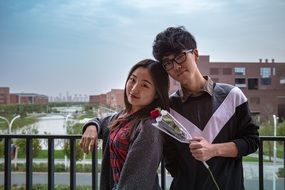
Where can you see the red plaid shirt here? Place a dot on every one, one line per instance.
(119, 144)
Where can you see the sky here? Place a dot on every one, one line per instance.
(88, 46)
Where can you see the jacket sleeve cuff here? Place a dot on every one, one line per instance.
(241, 147)
(91, 123)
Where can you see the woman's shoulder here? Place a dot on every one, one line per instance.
(147, 126)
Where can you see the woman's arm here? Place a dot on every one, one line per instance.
(94, 129)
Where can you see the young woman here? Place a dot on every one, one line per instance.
(132, 147)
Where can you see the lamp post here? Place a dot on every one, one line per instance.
(66, 126)
(10, 123)
(274, 151)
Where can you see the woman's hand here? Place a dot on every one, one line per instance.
(89, 139)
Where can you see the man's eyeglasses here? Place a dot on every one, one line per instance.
(168, 64)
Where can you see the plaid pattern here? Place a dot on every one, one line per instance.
(119, 144)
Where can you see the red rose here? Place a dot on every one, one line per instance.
(155, 113)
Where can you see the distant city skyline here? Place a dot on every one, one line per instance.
(69, 98)
(88, 46)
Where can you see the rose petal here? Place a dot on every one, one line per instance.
(154, 113)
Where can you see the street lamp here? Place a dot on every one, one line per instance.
(275, 118)
(66, 125)
(10, 123)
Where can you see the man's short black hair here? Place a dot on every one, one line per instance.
(173, 40)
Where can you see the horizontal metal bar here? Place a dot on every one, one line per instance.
(42, 136)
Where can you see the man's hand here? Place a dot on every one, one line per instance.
(89, 139)
(201, 149)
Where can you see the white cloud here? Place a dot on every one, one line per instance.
(174, 6)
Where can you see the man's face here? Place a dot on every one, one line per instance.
(181, 67)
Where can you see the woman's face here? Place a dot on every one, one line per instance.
(140, 89)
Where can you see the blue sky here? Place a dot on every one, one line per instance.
(88, 46)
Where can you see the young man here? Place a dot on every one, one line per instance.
(219, 117)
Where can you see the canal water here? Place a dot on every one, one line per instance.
(49, 125)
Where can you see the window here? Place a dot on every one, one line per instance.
(265, 81)
(30, 99)
(252, 84)
(227, 71)
(2, 98)
(240, 71)
(214, 71)
(265, 72)
(240, 82)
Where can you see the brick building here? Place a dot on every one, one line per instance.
(28, 98)
(4, 95)
(98, 99)
(262, 82)
(21, 98)
(114, 99)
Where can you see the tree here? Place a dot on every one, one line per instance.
(281, 129)
(21, 143)
(78, 150)
(266, 129)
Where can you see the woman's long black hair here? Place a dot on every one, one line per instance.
(161, 84)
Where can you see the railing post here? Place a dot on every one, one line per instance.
(260, 162)
(7, 169)
(94, 169)
(284, 163)
(50, 163)
(72, 166)
(29, 163)
(162, 169)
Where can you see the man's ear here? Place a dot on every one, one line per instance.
(196, 53)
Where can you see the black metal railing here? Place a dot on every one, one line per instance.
(72, 139)
(260, 157)
(29, 161)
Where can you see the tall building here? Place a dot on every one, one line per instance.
(263, 83)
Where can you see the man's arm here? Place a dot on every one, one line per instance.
(202, 150)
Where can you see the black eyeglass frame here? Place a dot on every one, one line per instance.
(169, 63)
